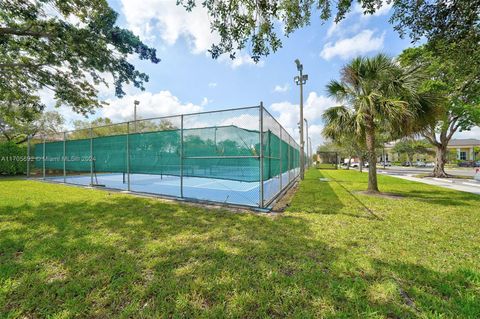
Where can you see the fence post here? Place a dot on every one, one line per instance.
(91, 156)
(181, 156)
(280, 156)
(261, 153)
(64, 157)
(128, 156)
(289, 150)
(28, 156)
(43, 157)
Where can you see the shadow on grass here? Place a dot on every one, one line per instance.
(133, 257)
(318, 196)
(443, 197)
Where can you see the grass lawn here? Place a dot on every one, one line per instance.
(337, 253)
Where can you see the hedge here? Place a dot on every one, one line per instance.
(13, 158)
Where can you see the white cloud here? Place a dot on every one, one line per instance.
(344, 28)
(361, 43)
(205, 101)
(473, 133)
(47, 98)
(212, 84)
(147, 18)
(355, 20)
(240, 59)
(288, 115)
(281, 88)
(383, 10)
(246, 121)
(163, 103)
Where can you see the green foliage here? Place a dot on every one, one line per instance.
(72, 252)
(17, 124)
(68, 47)
(376, 95)
(457, 82)
(410, 147)
(455, 76)
(13, 158)
(254, 24)
(103, 126)
(440, 22)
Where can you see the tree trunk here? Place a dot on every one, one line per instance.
(349, 162)
(440, 160)
(372, 161)
(410, 158)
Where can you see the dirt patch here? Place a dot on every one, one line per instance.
(285, 200)
(382, 195)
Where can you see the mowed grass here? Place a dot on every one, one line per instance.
(336, 253)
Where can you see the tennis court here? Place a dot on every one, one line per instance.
(238, 156)
(195, 188)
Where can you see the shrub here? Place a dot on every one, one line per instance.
(13, 158)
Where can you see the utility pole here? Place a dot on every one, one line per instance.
(301, 79)
(308, 148)
(135, 103)
(310, 159)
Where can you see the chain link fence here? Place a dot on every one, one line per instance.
(237, 156)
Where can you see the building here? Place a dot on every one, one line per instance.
(465, 149)
(458, 149)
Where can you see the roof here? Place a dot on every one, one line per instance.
(464, 142)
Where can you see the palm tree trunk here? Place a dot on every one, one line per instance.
(372, 161)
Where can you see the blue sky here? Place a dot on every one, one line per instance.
(189, 80)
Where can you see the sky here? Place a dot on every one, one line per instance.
(188, 80)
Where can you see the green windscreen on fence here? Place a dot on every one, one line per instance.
(224, 152)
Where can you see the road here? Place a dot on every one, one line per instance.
(460, 171)
(464, 185)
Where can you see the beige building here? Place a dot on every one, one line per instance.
(466, 149)
(459, 149)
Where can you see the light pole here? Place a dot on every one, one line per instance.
(306, 131)
(310, 158)
(301, 79)
(135, 103)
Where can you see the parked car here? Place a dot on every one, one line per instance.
(430, 164)
(477, 164)
(387, 163)
(407, 163)
(420, 164)
(466, 164)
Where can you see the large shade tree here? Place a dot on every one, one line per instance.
(458, 80)
(68, 47)
(260, 25)
(16, 126)
(376, 95)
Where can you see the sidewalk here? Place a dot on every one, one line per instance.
(463, 185)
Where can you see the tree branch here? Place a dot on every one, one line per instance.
(430, 136)
(14, 31)
(18, 65)
(453, 128)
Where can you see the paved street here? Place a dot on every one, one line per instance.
(467, 171)
(464, 185)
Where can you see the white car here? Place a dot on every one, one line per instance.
(420, 164)
(430, 164)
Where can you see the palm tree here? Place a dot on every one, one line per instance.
(376, 95)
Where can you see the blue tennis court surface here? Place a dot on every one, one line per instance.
(200, 188)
